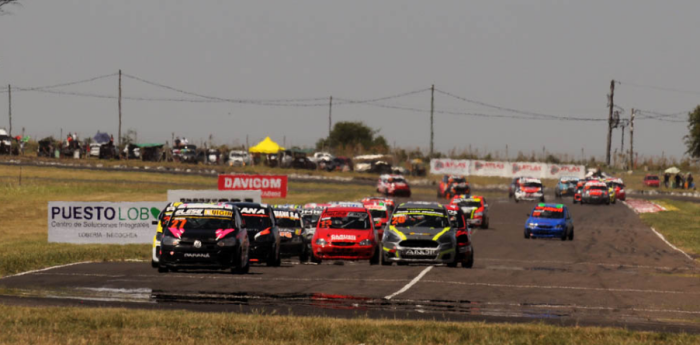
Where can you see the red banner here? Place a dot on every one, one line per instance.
(271, 186)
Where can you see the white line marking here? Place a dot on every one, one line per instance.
(45, 269)
(671, 245)
(410, 284)
(667, 292)
(589, 263)
(662, 236)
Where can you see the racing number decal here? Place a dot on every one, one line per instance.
(178, 223)
(398, 220)
(325, 224)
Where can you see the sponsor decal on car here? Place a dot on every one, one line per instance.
(343, 237)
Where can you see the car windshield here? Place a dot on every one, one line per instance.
(532, 185)
(470, 203)
(548, 212)
(420, 218)
(652, 177)
(201, 219)
(345, 220)
(310, 220)
(598, 188)
(237, 154)
(376, 214)
(459, 180)
(287, 219)
(396, 180)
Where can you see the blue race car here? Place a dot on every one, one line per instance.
(551, 221)
(566, 186)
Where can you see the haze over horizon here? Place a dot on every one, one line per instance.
(535, 57)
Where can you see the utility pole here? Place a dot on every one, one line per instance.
(119, 134)
(330, 118)
(432, 108)
(622, 139)
(9, 102)
(632, 140)
(610, 121)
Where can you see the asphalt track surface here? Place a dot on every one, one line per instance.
(616, 272)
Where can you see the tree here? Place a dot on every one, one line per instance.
(354, 134)
(7, 2)
(692, 140)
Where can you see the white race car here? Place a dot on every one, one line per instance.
(530, 189)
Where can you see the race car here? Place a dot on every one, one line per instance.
(529, 189)
(310, 214)
(163, 218)
(618, 187)
(550, 220)
(292, 239)
(465, 250)
(420, 232)
(380, 215)
(205, 236)
(514, 185)
(394, 185)
(475, 209)
(345, 233)
(596, 192)
(388, 202)
(566, 186)
(578, 193)
(259, 221)
(452, 185)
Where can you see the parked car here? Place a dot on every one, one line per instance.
(393, 185)
(238, 158)
(651, 180)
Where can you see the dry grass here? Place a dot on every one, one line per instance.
(24, 325)
(680, 225)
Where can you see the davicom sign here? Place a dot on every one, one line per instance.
(103, 222)
(271, 186)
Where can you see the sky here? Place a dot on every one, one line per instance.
(546, 57)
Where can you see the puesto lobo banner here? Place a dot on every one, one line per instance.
(103, 222)
(272, 186)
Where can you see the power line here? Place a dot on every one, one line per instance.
(83, 81)
(517, 111)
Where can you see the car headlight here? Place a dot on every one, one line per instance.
(588, 193)
(321, 242)
(390, 236)
(170, 241)
(478, 214)
(532, 225)
(365, 243)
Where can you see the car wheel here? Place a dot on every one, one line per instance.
(485, 223)
(563, 236)
(374, 260)
(469, 263)
(516, 200)
(273, 259)
(527, 234)
(240, 268)
(315, 260)
(385, 261)
(304, 256)
(154, 264)
(571, 235)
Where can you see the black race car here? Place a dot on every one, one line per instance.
(204, 236)
(259, 220)
(292, 241)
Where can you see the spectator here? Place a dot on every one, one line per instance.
(667, 178)
(678, 180)
(690, 181)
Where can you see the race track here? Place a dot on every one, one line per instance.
(616, 272)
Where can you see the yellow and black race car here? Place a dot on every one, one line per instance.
(163, 218)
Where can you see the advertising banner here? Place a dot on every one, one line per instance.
(207, 196)
(271, 186)
(449, 166)
(504, 169)
(103, 222)
(484, 168)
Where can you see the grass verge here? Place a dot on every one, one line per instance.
(29, 325)
(680, 225)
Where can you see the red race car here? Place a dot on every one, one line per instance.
(394, 185)
(465, 251)
(651, 180)
(388, 202)
(345, 233)
(475, 209)
(452, 185)
(578, 192)
(380, 215)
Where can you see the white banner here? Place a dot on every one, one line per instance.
(206, 196)
(504, 169)
(103, 222)
(448, 166)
